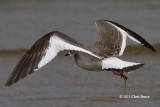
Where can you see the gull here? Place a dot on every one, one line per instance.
(102, 56)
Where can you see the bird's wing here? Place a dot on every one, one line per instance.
(113, 38)
(42, 52)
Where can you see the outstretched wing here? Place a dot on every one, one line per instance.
(113, 38)
(42, 52)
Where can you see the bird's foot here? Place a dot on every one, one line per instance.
(124, 77)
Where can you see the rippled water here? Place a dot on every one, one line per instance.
(61, 84)
(22, 23)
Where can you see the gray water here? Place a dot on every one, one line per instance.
(22, 23)
(61, 83)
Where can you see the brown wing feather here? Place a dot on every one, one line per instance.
(29, 62)
(110, 39)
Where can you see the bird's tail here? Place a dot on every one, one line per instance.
(115, 64)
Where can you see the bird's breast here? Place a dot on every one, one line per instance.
(88, 62)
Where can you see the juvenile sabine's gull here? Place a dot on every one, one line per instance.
(102, 56)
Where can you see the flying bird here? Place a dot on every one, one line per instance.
(102, 56)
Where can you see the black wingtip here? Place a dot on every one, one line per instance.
(151, 48)
(8, 83)
(147, 45)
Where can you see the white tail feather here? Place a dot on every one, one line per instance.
(115, 64)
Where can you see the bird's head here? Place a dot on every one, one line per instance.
(71, 53)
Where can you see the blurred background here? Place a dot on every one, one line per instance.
(61, 84)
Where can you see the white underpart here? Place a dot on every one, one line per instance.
(56, 45)
(124, 36)
(115, 63)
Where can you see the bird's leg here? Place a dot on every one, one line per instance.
(124, 87)
(125, 78)
(120, 74)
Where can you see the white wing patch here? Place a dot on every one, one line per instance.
(56, 44)
(124, 36)
(115, 63)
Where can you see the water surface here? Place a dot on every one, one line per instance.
(61, 83)
(23, 22)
